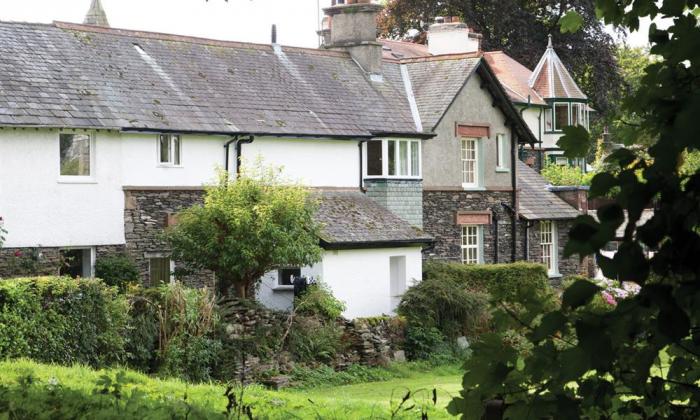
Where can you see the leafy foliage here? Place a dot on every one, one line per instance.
(641, 359)
(566, 175)
(318, 300)
(61, 320)
(117, 270)
(247, 227)
(520, 29)
(314, 340)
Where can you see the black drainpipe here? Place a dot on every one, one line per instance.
(239, 141)
(495, 234)
(526, 240)
(514, 194)
(362, 186)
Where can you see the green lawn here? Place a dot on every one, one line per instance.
(358, 401)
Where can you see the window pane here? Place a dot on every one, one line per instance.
(561, 113)
(164, 148)
(176, 150)
(415, 159)
(392, 157)
(575, 114)
(469, 161)
(72, 263)
(374, 158)
(403, 158)
(159, 270)
(75, 154)
(286, 275)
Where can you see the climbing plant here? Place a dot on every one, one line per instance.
(642, 358)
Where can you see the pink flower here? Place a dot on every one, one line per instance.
(18, 253)
(608, 298)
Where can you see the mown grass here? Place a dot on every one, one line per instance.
(373, 400)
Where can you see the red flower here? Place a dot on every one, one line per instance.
(18, 253)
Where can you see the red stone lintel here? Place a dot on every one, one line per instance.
(473, 218)
(475, 131)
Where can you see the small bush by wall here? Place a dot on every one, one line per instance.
(62, 320)
(117, 270)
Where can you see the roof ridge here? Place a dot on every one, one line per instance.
(441, 57)
(190, 39)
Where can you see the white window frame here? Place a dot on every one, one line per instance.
(476, 181)
(549, 247)
(468, 232)
(93, 255)
(78, 179)
(554, 116)
(385, 159)
(502, 153)
(171, 156)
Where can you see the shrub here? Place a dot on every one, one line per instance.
(62, 320)
(318, 300)
(312, 340)
(501, 281)
(117, 270)
(565, 175)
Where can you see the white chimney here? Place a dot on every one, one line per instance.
(450, 36)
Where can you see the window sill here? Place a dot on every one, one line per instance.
(380, 177)
(502, 170)
(166, 166)
(76, 180)
(555, 275)
(472, 188)
(283, 288)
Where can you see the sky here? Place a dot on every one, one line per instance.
(235, 20)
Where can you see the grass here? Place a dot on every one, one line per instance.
(372, 400)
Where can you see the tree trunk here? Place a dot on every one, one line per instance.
(241, 290)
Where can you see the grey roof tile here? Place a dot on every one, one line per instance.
(350, 217)
(537, 202)
(114, 78)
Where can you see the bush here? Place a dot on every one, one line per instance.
(312, 340)
(117, 270)
(62, 320)
(564, 175)
(318, 300)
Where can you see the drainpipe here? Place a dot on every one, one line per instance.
(495, 235)
(526, 240)
(514, 194)
(362, 185)
(239, 141)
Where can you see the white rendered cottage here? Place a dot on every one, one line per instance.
(106, 133)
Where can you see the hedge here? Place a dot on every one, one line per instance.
(62, 320)
(501, 281)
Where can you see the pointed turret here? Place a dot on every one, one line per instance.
(552, 80)
(96, 15)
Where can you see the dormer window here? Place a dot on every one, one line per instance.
(392, 158)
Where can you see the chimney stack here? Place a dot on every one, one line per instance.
(351, 25)
(274, 33)
(448, 35)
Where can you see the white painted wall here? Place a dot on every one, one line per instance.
(41, 209)
(360, 278)
(454, 40)
(313, 162)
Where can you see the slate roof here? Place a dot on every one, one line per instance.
(514, 77)
(537, 202)
(70, 75)
(436, 82)
(351, 218)
(551, 79)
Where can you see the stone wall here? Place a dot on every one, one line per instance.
(439, 220)
(23, 262)
(402, 197)
(147, 213)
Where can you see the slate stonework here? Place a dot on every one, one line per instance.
(402, 197)
(146, 216)
(44, 261)
(439, 212)
(567, 266)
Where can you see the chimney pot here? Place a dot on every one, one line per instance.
(274, 33)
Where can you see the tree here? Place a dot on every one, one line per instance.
(247, 227)
(640, 358)
(520, 28)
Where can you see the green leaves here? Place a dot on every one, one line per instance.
(571, 22)
(579, 294)
(576, 142)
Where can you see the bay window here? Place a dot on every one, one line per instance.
(393, 158)
(471, 244)
(561, 116)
